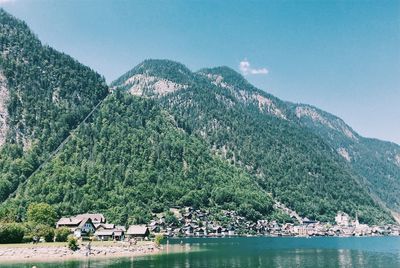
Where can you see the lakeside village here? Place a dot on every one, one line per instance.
(188, 222)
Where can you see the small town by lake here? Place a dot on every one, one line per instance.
(228, 240)
(253, 252)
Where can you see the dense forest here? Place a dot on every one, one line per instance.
(207, 139)
(132, 160)
(376, 161)
(49, 93)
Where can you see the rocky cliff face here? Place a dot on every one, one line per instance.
(335, 124)
(224, 78)
(151, 86)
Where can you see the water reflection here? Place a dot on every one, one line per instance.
(260, 252)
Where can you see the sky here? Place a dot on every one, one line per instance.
(341, 56)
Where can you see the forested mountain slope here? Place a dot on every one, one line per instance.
(132, 160)
(377, 161)
(259, 134)
(43, 95)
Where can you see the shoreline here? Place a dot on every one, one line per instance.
(22, 253)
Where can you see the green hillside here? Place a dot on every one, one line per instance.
(132, 160)
(378, 162)
(45, 94)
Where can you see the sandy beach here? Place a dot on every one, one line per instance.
(48, 252)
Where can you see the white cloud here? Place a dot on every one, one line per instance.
(246, 69)
(259, 71)
(244, 66)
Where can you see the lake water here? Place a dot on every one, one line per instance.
(259, 252)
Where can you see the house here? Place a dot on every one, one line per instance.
(231, 231)
(342, 219)
(176, 232)
(119, 234)
(155, 226)
(155, 229)
(95, 217)
(116, 233)
(78, 226)
(217, 230)
(120, 227)
(138, 231)
(302, 230)
(224, 231)
(104, 234)
(188, 229)
(201, 232)
(188, 217)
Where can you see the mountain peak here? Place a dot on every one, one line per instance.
(155, 77)
(160, 68)
(222, 70)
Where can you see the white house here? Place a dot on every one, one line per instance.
(342, 219)
(77, 226)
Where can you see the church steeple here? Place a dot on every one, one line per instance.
(357, 222)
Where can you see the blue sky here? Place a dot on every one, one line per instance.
(341, 56)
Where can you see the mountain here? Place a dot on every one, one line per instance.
(378, 162)
(132, 160)
(44, 94)
(163, 136)
(258, 133)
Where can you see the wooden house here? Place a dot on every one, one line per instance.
(138, 231)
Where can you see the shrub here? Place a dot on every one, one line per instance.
(40, 230)
(158, 239)
(62, 234)
(11, 233)
(47, 233)
(42, 213)
(72, 243)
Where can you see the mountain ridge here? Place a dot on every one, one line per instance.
(235, 98)
(206, 139)
(306, 115)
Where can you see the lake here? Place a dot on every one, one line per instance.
(259, 252)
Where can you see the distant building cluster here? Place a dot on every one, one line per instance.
(196, 223)
(190, 222)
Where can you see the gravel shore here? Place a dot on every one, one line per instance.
(47, 252)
